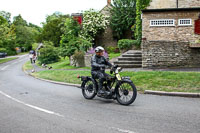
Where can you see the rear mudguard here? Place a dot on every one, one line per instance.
(85, 79)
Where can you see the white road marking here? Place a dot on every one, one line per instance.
(122, 130)
(5, 67)
(31, 106)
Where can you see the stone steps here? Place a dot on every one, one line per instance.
(130, 59)
(130, 65)
(132, 55)
(127, 62)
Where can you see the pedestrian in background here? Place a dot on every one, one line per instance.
(31, 56)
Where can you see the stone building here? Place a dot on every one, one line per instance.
(170, 33)
(106, 38)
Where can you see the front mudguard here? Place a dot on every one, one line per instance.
(124, 79)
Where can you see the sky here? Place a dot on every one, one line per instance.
(35, 11)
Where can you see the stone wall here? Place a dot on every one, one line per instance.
(161, 54)
(188, 3)
(172, 33)
(106, 38)
(159, 4)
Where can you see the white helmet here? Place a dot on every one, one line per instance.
(99, 49)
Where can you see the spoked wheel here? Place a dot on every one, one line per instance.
(89, 91)
(126, 93)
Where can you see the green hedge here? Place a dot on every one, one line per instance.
(126, 44)
(111, 49)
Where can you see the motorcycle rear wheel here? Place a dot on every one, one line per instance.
(89, 90)
(126, 93)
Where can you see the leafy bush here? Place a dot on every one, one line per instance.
(11, 52)
(111, 49)
(48, 54)
(76, 44)
(126, 44)
(123, 16)
(71, 30)
(34, 46)
(3, 50)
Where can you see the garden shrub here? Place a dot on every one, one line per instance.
(111, 49)
(48, 54)
(34, 46)
(126, 44)
(3, 50)
(75, 44)
(11, 52)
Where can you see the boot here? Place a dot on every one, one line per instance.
(100, 91)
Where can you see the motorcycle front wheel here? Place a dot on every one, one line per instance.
(88, 90)
(126, 93)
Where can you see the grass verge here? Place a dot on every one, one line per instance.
(145, 80)
(23, 53)
(28, 66)
(113, 55)
(7, 59)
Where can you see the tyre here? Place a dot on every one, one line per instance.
(126, 93)
(88, 90)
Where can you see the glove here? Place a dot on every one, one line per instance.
(115, 66)
(102, 67)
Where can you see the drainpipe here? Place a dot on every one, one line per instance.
(177, 3)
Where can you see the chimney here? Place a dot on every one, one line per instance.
(109, 2)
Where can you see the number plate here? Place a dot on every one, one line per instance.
(118, 77)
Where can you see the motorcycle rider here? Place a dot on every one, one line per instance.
(98, 63)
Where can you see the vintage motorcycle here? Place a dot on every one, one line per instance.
(120, 88)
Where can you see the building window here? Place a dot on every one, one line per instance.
(162, 22)
(184, 22)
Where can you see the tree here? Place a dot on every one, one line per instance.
(71, 30)
(2, 20)
(7, 38)
(6, 15)
(123, 14)
(18, 20)
(26, 34)
(53, 28)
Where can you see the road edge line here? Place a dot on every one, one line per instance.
(179, 94)
(51, 81)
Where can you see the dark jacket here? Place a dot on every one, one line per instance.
(99, 63)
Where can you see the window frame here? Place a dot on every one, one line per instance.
(162, 25)
(179, 22)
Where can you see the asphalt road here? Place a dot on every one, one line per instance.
(28, 105)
